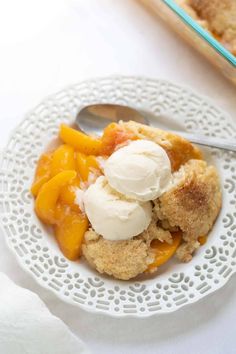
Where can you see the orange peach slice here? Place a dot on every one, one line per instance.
(67, 194)
(92, 162)
(80, 141)
(43, 173)
(85, 165)
(164, 251)
(48, 195)
(114, 135)
(63, 159)
(202, 240)
(70, 233)
(81, 164)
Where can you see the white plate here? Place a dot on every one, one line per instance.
(176, 284)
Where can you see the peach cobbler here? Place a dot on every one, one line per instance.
(127, 201)
(216, 16)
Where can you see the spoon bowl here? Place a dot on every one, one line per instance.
(94, 118)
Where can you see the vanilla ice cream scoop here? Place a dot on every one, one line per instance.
(140, 170)
(112, 215)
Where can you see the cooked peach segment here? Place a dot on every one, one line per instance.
(92, 162)
(81, 164)
(67, 194)
(43, 172)
(113, 136)
(85, 165)
(202, 240)
(164, 251)
(63, 159)
(48, 195)
(181, 151)
(70, 233)
(80, 141)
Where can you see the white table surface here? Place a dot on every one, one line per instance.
(46, 45)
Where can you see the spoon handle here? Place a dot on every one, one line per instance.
(166, 121)
(209, 141)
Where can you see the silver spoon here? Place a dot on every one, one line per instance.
(94, 118)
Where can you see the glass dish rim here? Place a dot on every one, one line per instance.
(201, 32)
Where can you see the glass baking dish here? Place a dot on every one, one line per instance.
(196, 35)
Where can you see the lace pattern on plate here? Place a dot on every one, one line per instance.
(76, 283)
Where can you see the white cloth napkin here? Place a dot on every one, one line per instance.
(28, 327)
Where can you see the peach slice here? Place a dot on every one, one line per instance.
(43, 172)
(70, 232)
(48, 195)
(85, 164)
(67, 194)
(80, 141)
(92, 162)
(202, 240)
(114, 135)
(164, 251)
(62, 159)
(81, 164)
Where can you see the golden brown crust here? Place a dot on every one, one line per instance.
(220, 16)
(178, 149)
(122, 259)
(192, 204)
(185, 251)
